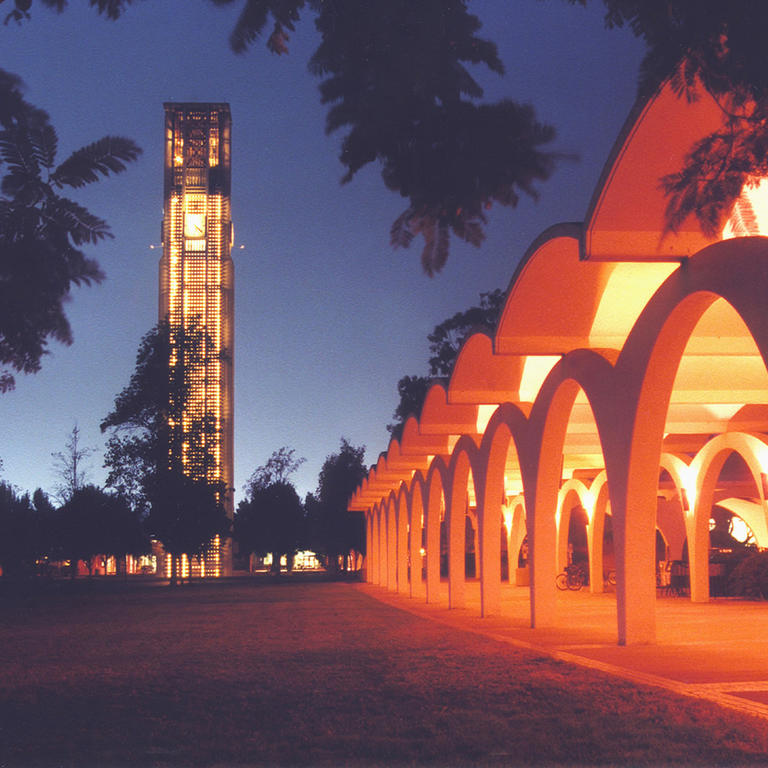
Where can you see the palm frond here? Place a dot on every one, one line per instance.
(57, 5)
(401, 234)
(249, 26)
(436, 244)
(12, 103)
(7, 382)
(18, 153)
(84, 166)
(113, 9)
(80, 225)
(45, 143)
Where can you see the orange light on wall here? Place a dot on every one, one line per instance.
(749, 215)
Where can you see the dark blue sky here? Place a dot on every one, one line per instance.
(328, 316)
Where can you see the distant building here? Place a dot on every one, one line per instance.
(197, 279)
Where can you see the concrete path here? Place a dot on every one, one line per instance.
(716, 651)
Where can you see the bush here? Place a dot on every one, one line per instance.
(750, 577)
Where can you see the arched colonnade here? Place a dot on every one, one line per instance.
(622, 356)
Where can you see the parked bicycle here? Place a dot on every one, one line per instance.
(573, 577)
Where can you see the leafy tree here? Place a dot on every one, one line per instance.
(277, 469)
(720, 45)
(139, 439)
(750, 577)
(271, 517)
(444, 345)
(412, 392)
(148, 433)
(270, 521)
(42, 232)
(397, 77)
(150, 438)
(334, 531)
(186, 514)
(68, 466)
(21, 539)
(446, 340)
(93, 522)
(46, 513)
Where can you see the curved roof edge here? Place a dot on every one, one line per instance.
(572, 229)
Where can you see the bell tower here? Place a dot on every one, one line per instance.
(197, 284)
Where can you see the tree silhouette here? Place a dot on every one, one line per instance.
(335, 532)
(41, 232)
(21, 537)
(277, 469)
(271, 517)
(185, 513)
(397, 78)
(270, 521)
(93, 522)
(68, 466)
(446, 339)
(411, 392)
(444, 345)
(159, 456)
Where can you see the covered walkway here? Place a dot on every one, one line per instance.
(616, 415)
(716, 651)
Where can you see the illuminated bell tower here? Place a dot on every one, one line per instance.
(197, 279)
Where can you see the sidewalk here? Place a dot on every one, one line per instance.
(716, 651)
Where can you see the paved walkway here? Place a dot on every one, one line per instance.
(716, 651)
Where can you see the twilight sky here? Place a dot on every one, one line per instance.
(327, 316)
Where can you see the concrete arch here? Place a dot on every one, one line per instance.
(390, 515)
(675, 531)
(370, 558)
(417, 514)
(706, 467)
(437, 482)
(645, 374)
(402, 506)
(516, 532)
(579, 371)
(381, 545)
(504, 431)
(481, 376)
(599, 504)
(464, 468)
(569, 489)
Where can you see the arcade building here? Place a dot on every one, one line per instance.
(623, 392)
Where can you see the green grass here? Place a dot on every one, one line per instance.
(103, 674)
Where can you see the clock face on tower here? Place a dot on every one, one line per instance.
(194, 225)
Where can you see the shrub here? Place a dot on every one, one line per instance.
(750, 577)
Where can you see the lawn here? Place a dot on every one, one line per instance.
(107, 674)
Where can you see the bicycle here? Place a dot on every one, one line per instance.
(573, 578)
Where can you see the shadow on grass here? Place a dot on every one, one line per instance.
(308, 672)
